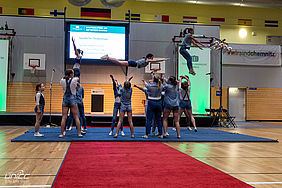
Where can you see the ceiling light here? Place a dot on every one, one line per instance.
(242, 33)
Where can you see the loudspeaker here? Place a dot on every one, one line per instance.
(97, 101)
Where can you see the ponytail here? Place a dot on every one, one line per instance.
(187, 30)
(68, 72)
(157, 80)
(127, 85)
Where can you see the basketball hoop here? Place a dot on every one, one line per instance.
(33, 67)
(155, 70)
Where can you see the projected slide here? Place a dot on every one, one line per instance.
(200, 83)
(98, 40)
(4, 46)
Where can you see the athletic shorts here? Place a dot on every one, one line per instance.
(185, 104)
(125, 108)
(171, 108)
(132, 63)
(69, 102)
(40, 107)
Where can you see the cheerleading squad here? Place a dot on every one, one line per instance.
(163, 96)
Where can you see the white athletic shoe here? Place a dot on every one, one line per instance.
(155, 134)
(161, 136)
(145, 136)
(105, 57)
(80, 135)
(38, 134)
(189, 128)
(61, 136)
(122, 133)
(111, 133)
(64, 133)
(166, 134)
(69, 129)
(174, 129)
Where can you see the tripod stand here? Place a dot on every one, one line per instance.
(222, 114)
(49, 124)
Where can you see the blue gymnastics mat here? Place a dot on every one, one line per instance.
(102, 134)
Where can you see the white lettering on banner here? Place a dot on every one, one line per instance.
(253, 54)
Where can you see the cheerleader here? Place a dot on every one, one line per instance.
(131, 63)
(69, 84)
(78, 58)
(39, 108)
(171, 103)
(125, 93)
(154, 108)
(117, 105)
(185, 102)
(186, 44)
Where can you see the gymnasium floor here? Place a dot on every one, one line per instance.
(258, 164)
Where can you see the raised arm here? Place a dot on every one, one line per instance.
(130, 78)
(197, 43)
(82, 92)
(162, 78)
(188, 80)
(113, 79)
(114, 82)
(156, 60)
(144, 82)
(180, 81)
(141, 88)
(75, 49)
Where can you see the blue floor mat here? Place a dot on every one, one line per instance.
(101, 134)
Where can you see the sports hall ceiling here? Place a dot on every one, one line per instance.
(243, 3)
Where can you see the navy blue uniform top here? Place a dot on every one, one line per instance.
(39, 99)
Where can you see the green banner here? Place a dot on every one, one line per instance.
(4, 48)
(200, 83)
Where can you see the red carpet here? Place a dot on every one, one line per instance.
(138, 164)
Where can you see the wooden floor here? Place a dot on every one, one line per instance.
(259, 164)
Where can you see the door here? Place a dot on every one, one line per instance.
(237, 103)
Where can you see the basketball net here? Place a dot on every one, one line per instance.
(33, 67)
(155, 70)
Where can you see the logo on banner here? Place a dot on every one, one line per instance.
(195, 58)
